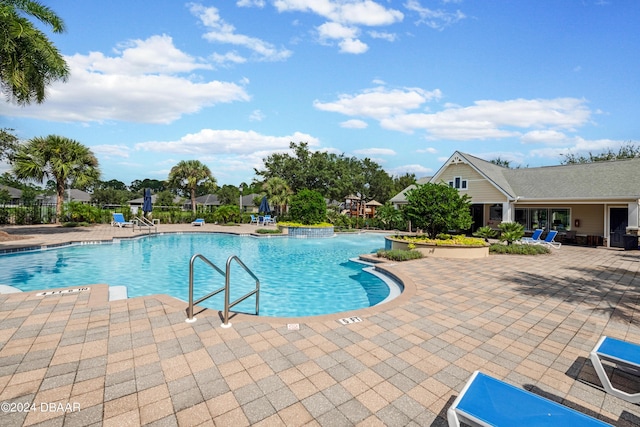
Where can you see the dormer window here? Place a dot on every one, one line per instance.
(458, 183)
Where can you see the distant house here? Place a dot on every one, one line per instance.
(248, 203)
(401, 198)
(74, 195)
(209, 201)
(598, 202)
(14, 193)
(137, 203)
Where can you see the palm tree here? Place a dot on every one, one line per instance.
(188, 174)
(28, 60)
(278, 193)
(57, 158)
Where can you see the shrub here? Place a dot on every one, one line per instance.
(458, 240)
(308, 207)
(485, 233)
(438, 208)
(510, 232)
(268, 231)
(519, 249)
(227, 213)
(399, 254)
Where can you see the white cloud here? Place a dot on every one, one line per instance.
(580, 146)
(390, 37)
(436, 19)
(354, 12)
(157, 54)
(429, 150)
(223, 32)
(354, 46)
(416, 169)
(533, 120)
(354, 124)
(494, 119)
(109, 151)
(376, 152)
(333, 30)
(229, 57)
(250, 3)
(347, 36)
(379, 103)
(102, 88)
(550, 137)
(211, 141)
(256, 116)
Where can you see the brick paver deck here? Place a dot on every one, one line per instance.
(77, 359)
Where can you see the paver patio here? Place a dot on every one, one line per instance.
(77, 359)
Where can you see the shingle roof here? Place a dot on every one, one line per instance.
(401, 197)
(13, 192)
(607, 179)
(619, 179)
(597, 180)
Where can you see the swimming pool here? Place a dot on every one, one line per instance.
(298, 277)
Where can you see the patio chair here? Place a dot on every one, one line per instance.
(266, 220)
(254, 220)
(118, 219)
(548, 241)
(486, 401)
(270, 220)
(198, 221)
(535, 237)
(625, 355)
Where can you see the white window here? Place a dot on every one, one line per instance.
(458, 183)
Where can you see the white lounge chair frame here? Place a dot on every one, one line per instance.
(122, 223)
(533, 238)
(549, 241)
(198, 222)
(516, 407)
(624, 354)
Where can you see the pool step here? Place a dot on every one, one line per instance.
(6, 289)
(117, 293)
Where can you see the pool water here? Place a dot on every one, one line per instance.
(298, 277)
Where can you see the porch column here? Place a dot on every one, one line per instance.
(507, 212)
(633, 219)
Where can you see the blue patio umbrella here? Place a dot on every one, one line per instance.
(264, 206)
(146, 204)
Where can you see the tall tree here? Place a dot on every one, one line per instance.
(58, 158)
(403, 181)
(155, 185)
(187, 175)
(278, 193)
(438, 208)
(8, 143)
(228, 195)
(29, 62)
(333, 176)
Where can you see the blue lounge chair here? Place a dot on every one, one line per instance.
(624, 354)
(118, 219)
(198, 221)
(534, 237)
(548, 241)
(486, 401)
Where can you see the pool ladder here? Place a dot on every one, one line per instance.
(225, 288)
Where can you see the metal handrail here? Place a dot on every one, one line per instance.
(255, 292)
(146, 223)
(225, 288)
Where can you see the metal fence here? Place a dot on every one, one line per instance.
(35, 213)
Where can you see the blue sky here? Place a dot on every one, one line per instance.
(404, 83)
